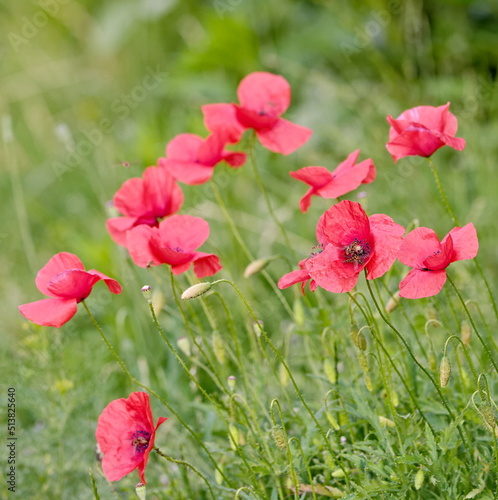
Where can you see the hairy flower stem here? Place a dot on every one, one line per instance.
(417, 362)
(474, 327)
(194, 380)
(265, 195)
(396, 369)
(287, 369)
(189, 466)
(159, 398)
(451, 213)
(246, 250)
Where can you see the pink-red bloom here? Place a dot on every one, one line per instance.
(429, 258)
(65, 281)
(144, 200)
(422, 130)
(263, 98)
(173, 242)
(350, 241)
(347, 176)
(191, 159)
(125, 435)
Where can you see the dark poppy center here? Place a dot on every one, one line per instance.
(140, 441)
(357, 252)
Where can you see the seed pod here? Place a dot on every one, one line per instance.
(419, 479)
(444, 371)
(329, 370)
(279, 437)
(465, 333)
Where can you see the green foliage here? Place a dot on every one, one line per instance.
(74, 76)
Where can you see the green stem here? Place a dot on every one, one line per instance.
(287, 369)
(266, 197)
(455, 221)
(474, 327)
(246, 250)
(416, 361)
(159, 398)
(189, 466)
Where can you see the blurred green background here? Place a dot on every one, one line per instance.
(86, 86)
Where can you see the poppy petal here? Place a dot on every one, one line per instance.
(342, 223)
(417, 246)
(184, 147)
(49, 312)
(222, 119)
(465, 243)
(284, 137)
(184, 232)
(118, 226)
(418, 284)
(289, 279)
(162, 195)
(72, 284)
(138, 244)
(188, 172)
(56, 264)
(113, 285)
(206, 264)
(129, 199)
(264, 93)
(387, 240)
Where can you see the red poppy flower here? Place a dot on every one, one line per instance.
(173, 242)
(300, 276)
(346, 177)
(422, 130)
(263, 98)
(429, 258)
(64, 279)
(125, 435)
(144, 201)
(191, 159)
(351, 242)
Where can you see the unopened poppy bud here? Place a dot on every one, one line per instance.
(362, 341)
(256, 266)
(432, 361)
(147, 293)
(419, 479)
(366, 373)
(386, 422)
(338, 473)
(196, 290)
(329, 370)
(184, 344)
(231, 382)
(219, 347)
(465, 333)
(234, 435)
(218, 477)
(333, 422)
(279, 437)
(488, 414)
(444, 371)
(283, 376)
(392, 303)
(298, 312)
(141, 491)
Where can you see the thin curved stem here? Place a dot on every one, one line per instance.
(266, 197)
(287, 369)
(474, 327)
(185, 464)
(159, 398)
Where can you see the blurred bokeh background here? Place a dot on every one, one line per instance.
(91, 92)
